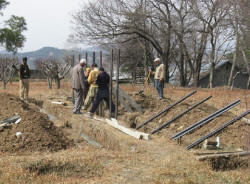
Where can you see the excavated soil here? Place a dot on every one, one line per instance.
(235, 136)
(38, 132)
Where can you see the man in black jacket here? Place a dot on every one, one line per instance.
(24, 74)
(103, 91)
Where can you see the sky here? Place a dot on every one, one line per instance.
(48, 21)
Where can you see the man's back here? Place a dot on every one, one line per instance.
(103, 80)
(78, 77)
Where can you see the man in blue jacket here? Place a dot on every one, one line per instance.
(103, 91)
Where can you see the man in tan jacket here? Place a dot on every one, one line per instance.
(93, 86)
(78, 79)
(159, 77)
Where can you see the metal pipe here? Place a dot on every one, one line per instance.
(86, 57)
(101, 104)
(100, 58)
(117, 83)
(93, 57)
(205, 120)
(179, 116)
(111, 83)
(165, 110)
(216, 131)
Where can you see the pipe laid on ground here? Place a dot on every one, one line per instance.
(165, 110)
(205, 120)
(217, 130)
(179, 116)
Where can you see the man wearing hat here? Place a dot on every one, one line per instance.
(78, 79)
(159, 77)
(24, 74)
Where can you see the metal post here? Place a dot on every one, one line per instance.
(101, 58)
(166, 110)
(73, 59)
(79, 56)
(93, 57)
(111, 84)
(117, 84)
(101, 104)
(179, 116)
(86, 57)
(205, 120)
(216, 131)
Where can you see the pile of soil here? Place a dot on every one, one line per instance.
(38, 133)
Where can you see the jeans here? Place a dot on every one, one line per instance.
(159, 87)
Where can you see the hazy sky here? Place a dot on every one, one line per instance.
(48, 21)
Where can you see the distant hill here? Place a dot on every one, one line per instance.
(57, 53)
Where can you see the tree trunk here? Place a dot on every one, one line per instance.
(4, 85)
(183, 80)
(230, 80)
(196, 78)
(211, 76)
(165, 59)
(58, 83)
(49, 83)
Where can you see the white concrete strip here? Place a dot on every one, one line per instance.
(114, 123)
(133, 133)
(58, 103)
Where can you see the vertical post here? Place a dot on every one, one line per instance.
(93, 57)
(117, 83)
(111, 84)
(101, 58)
(79, 56)
(73, 60)
(86, 57)
(101, 104)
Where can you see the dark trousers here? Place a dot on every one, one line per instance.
(102, 94)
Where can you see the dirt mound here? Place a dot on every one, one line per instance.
(38, 133)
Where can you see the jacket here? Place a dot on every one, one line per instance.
(103, 80)
(24, 72)
(160, 72)
(78, 77)
(93, 77)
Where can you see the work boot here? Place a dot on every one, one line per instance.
(91, 115)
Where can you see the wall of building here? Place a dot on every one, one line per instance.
(222, 75)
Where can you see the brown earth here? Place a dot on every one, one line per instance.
(38, 133)
(124, 159)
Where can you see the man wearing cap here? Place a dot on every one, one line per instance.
(159, 77)
(93, 86)
(24, 74)
(78, 79)
(103, 91)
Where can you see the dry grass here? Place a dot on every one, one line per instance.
(157, 161)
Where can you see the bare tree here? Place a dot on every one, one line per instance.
(55, 69)
(6, 69)
(108, 21)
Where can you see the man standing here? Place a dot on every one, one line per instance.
(159, 77)
(78, 79)
(86, 84)
(93, 86)
(24, 74)
(103, 91)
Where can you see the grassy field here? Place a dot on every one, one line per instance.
(122, 159)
